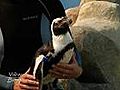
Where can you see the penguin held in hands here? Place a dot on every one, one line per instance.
(61, 49)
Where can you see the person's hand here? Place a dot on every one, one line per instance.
(66, 71)
(26, 82)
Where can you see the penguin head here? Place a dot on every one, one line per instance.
(61, 25)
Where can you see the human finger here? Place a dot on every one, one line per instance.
(29, 82)
(28, 76)
(68, 71)
(28, 87)
(62, 69)
(64, 66)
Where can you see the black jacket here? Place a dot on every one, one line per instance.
(20, 25)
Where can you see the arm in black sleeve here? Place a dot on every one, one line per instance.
(55, 8)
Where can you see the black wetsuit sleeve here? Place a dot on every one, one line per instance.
(55, 8)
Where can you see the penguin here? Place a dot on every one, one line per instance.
(61, 49)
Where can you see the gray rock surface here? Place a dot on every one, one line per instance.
(96, 33)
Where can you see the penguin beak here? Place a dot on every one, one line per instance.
(62, 25)
(67, 20)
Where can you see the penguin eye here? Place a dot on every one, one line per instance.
(56, 24)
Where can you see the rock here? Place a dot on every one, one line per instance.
(96, 33)
(101, 59)
(86, 1)
(99, 10)
(103, 17)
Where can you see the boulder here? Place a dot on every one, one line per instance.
(103, 17)
(96, 33)
(85, 1)
(101, 59)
